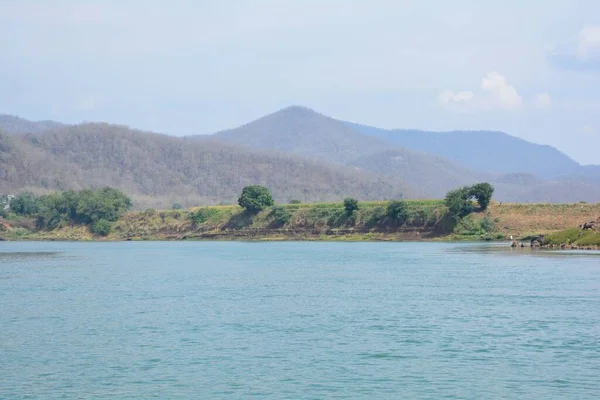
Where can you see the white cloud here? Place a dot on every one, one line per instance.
(588, 42)
(542, 100)
(499, 93)
(448, 96)
(496, 94)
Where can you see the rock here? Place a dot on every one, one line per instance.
(522, 245)
(513, 244)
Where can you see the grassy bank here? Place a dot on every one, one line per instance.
(425, 220)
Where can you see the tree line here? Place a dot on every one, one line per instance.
(95, 208)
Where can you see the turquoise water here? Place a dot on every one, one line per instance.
(214, 320)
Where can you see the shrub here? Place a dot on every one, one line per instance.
(176, 206)
(397, 211)
(294, 201)
(101, 227)
(483, 193)
(350, 206)
(459, 202)
(486, 225)
(281, 215)
(202, 215)
(255, 198)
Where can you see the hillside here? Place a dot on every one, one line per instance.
(488, 151)
(11, 124)
(409, 159)
(158, 170)
(304, 132)
(298, 153)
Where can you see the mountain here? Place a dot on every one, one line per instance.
(430, 162)
(11, 125)
(158, 170)
(304, 132)
(488, 151)
(296, 152)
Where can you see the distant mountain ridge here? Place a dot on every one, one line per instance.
(297, 152)
(490, 151)
(304, 132)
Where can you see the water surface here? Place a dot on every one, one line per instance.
(297, 320)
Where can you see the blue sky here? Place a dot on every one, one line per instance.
(530, 68)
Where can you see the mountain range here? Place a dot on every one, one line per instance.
(297, 152)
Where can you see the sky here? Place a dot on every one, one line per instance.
(529, 68)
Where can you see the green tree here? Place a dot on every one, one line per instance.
(106, 203)
(459, 202)
(483, 193)
(177, 206)
(101, 227)
(397, 211)
(350, 206)
(25, 204)
(255, 198)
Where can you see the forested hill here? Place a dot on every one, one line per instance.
(11, 124)
(296, 152)
(159, 170)
(301, 131)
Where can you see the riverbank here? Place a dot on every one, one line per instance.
(425, 221)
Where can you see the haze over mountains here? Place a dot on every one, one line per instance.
(297, 152)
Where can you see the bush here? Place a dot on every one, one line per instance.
(255, 198)
(84, 207)
(397, 211)
(25, 204)
(350, 206)
(176, 206)
(483, 193)
(202, 215)
(459, 202)
(486, 225)
(101, 227)
(294, 201)
(281, 215)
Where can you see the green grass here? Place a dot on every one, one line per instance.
(574, 236)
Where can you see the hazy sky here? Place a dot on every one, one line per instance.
(530, 68)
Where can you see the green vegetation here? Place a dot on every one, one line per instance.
(573, 236)
(460, 201)
(350, 206)
(281, 215)
(88, 213)
(97, 208)
(255, 198)
(397, 211)
(483, 193)
(101, 227)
